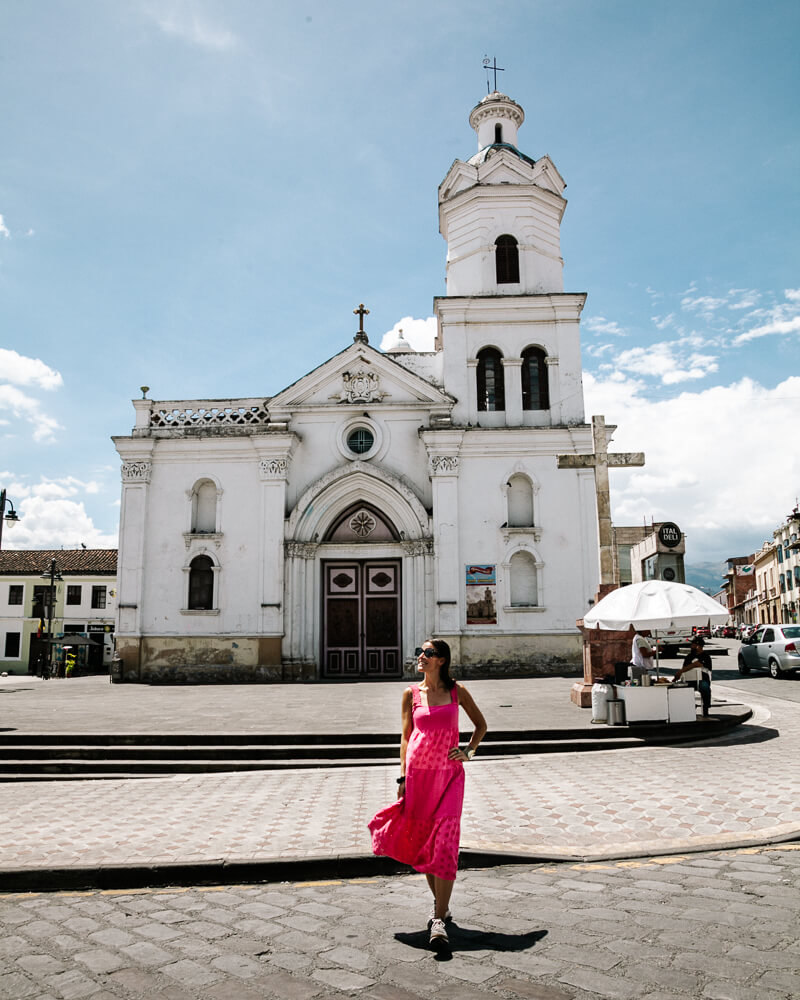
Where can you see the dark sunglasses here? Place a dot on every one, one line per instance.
(427, 653)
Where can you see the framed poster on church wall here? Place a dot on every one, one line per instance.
(481, 594)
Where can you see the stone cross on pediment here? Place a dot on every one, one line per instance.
(601, 461)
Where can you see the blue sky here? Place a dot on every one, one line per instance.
(195, 196)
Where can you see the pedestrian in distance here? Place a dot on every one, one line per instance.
(696, 670)
(423, 827)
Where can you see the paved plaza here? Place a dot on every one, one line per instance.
(714, 926)
(716, 794)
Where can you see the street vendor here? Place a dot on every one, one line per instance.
(696, 671)
(642, 654)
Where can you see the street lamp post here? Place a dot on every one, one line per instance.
(11, 516)
(54, 576)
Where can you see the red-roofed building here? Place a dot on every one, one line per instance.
(84, 603)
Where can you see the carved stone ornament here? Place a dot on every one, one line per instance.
(301, 550)
(136, 472)
(362, 523)
(361, 386)
(418, 547)
(274, 468)
(444, 465)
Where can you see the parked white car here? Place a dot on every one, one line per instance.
(775, 648)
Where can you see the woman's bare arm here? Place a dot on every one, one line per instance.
(407, 725)
(467, 702)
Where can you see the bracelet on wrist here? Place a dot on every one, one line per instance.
(401, 779)
(470, 752)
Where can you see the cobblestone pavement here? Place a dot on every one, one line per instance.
(716, 926)
(606, 804)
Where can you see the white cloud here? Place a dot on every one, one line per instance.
(661, 322)
(699, 450)
(4, 229)
(670, 361)
(20, 370)
(706, 305)
(25, 407)
(599, 324)
(776, 326)
(420, 333)
(747, 298)
(183, 21)
(792, 294)
(55, 523)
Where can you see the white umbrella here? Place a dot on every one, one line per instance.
(654, 605)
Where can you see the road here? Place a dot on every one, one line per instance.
(726, 673)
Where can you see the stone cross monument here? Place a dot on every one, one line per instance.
(601, 649)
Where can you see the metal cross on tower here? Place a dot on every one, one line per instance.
(361, 312)
(494, 68)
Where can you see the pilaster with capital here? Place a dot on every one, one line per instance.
(135, 473)
(273, 455)
(444, 464)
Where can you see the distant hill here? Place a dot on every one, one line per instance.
(706, 576)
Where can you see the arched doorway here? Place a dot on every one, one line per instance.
(361, 615)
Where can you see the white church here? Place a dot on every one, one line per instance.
(384, 497)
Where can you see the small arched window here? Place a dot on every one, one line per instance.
(520, 502)
(498, 133)
(535, 390)
(506, 260)
(524, 581)
(491, 387)
(204, 507)
(201, 584)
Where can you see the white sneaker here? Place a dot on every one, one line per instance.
(432, 916)
(438, 933)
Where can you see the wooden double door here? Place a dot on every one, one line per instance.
(361, 619)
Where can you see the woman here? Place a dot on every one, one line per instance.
(422, 828)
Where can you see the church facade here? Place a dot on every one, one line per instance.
(386, 496)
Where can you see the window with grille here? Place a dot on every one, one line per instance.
(535, 390)
(506, 260)
(360, 440)
(74, 594)
(98, 597)
(491, 387)
(15, 592)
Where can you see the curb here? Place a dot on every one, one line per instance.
(348, 866)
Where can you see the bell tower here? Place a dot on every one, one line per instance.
(508, 331)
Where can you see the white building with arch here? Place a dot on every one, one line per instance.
(327, 530)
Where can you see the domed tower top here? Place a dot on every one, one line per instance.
(496, 120)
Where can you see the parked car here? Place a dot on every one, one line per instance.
(729, 632)
(747, 630)
(775, 648)
(701, 630)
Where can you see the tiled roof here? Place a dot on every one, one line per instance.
(37, 561)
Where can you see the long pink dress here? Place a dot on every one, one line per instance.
(423, 827)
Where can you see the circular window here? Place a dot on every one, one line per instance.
(360, 440)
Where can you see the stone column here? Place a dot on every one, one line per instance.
(512, 377)
(273, 473)
(136, 472)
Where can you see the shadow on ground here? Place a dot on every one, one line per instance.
(466, 939)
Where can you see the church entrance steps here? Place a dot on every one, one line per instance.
(27, 757)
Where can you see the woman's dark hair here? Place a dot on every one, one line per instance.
(443, 652)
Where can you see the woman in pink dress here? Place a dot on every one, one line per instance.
(422, 828)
